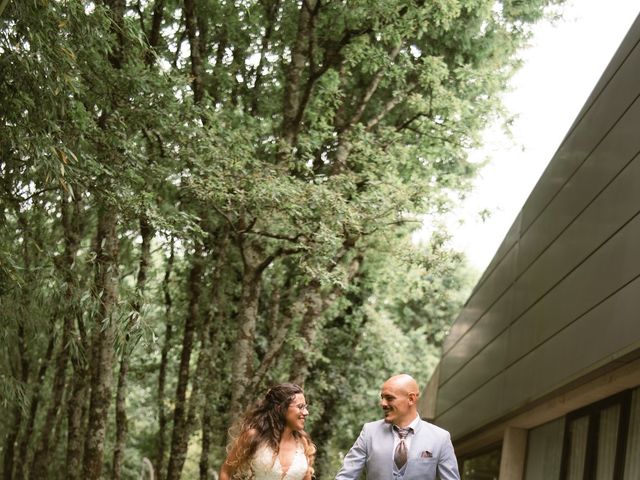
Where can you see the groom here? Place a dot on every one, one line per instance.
(402, 446)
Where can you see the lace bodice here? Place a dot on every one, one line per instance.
(266, 465)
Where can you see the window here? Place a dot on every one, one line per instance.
(485, 466)
(578, 435)
(596, 438)
(544, 451)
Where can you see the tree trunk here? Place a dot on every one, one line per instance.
(32, 235)
(78, 405)
(211, 340)
(25, 441)
(308, 332)
(204, 467)
(279, 326)
(162, 414)
(316, 303)
(121, 414)
(179, 438)
(23, 360)
(201, 381)
(254, 263)
(292, 101)
(101, 368)
(76, 416)
(106, 282)
(146, 232)
(155, 30)
(242, 363)
(162, 371)
(191, 24)
(10, 443)
(71, 216)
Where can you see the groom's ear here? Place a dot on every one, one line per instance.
(413, 397)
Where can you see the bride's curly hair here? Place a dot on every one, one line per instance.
(263, 424)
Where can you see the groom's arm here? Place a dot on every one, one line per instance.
(448, 463)
(355, 460)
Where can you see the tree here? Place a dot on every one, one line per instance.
(203, 197)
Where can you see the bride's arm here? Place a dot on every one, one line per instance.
(230, 465)
(226, 471)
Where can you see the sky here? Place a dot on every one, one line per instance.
(561, 67)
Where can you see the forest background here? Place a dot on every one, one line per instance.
(201, 198)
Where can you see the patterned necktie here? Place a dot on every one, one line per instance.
(400, 455)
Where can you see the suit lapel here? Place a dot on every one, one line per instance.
(383, 463)
(415, 444)
(387, 436)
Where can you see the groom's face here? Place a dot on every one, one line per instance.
(396, 404)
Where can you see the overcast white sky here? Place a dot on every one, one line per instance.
(561, 67)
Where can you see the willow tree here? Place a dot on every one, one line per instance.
(200, 197)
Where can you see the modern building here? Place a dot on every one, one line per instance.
(540, 374)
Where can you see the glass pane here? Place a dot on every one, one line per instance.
(544, 451)
(632, 463)
(607, 442)
(482, 467)
(577, 453)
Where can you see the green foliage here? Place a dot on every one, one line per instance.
(276, 160)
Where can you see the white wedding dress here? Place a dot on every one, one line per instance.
(266, 465)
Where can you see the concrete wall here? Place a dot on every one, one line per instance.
(561, 298)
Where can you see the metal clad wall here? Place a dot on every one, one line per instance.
(599, 117)
(489, 292)
(561, 296)
(596, 170)
(510, 240)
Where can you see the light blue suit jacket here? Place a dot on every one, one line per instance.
(430, 454)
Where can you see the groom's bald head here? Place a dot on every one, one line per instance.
(404, 383)
(399, 398)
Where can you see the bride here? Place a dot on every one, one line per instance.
(271, 443)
